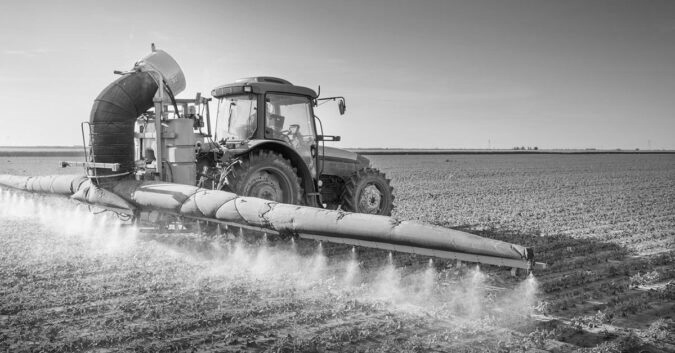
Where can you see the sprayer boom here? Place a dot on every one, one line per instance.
(133, 197)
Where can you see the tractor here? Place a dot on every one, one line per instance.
(264, 167)
(267, 146)
(265, 142)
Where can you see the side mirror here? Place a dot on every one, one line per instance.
(341, 106)
(327, 138)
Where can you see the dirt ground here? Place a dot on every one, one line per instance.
(75, 281)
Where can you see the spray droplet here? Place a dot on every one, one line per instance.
(473, 292)
(294, 247)
(318, 262)
(530, 288)
(352, 272)
(262, 264)
(388, 283)
(429, 279)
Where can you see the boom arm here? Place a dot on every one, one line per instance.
(307, 222)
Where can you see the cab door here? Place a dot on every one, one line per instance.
(289, 118)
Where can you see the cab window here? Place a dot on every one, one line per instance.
(236, 117)
(288, 118)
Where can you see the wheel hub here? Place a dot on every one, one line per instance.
(266, 186)
(370, 199)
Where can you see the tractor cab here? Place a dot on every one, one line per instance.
(266, 131)
(271, 109)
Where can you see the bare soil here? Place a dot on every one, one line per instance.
(73, 281)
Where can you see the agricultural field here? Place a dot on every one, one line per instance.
(72, 281)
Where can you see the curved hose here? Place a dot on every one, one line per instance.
(113, 117)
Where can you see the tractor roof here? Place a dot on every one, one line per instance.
(261, 84)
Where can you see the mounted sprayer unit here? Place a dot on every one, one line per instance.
(142, 161)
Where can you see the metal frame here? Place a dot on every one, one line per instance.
(485, 259)
(87, 164)
(112, 166)
(159, 112)
(158, 135)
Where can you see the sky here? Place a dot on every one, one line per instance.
(415, 74)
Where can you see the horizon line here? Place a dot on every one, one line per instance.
(515, 148)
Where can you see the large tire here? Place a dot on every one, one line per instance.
(266, 175)
(368, 191)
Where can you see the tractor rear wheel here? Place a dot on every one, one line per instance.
(266, 175)
(368, 191)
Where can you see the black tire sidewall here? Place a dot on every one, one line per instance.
(274, 164)
(373, 177)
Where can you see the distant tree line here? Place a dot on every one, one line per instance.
(528, 148)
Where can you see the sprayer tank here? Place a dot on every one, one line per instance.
(178, 149)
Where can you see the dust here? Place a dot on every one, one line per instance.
(461, 297)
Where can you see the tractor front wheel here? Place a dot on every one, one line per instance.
(368, 191)
(266, 175)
